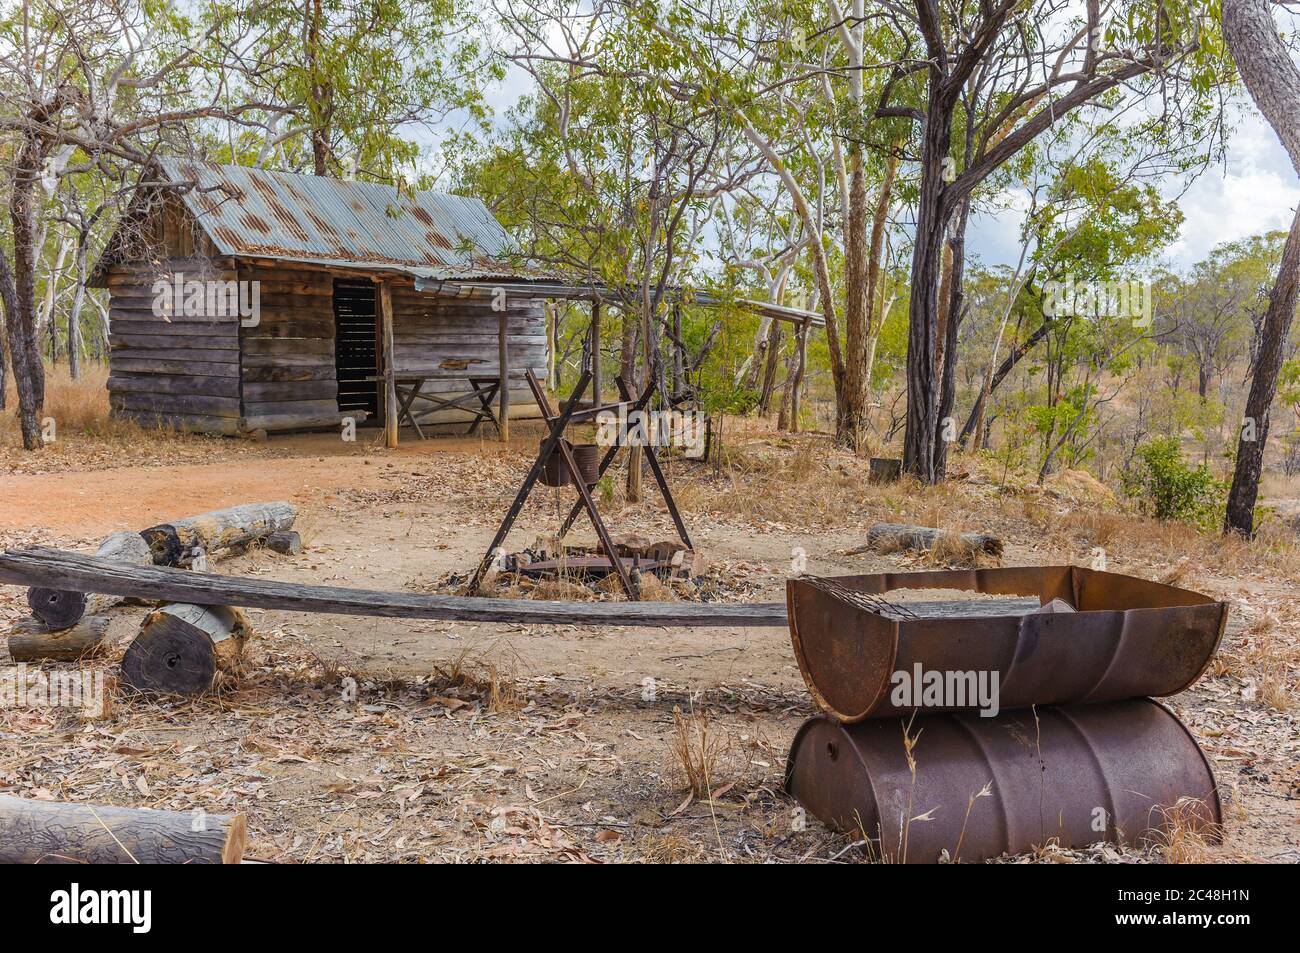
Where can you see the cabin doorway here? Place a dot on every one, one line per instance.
(356, 347)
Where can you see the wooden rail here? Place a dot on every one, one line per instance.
(58, 569)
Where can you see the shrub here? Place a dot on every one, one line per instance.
(1167, 488)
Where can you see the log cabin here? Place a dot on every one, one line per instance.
(245, 300)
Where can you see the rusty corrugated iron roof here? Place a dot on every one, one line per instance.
(255, 213)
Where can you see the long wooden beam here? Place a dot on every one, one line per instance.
(59, 569)
(56, 568)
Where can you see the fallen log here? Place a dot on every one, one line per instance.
(181, 649)
(44, 832)
(181, 542)
(61, 608)
(891, 537)
(31, 640)
(74, 570)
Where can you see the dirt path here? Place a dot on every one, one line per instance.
(301, 469)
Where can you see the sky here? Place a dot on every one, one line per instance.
(1255, 191)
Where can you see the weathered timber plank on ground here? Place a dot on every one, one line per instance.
(58, 569)
(43, 566)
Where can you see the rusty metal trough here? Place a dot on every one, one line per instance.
(1129, 637)
(1075, 753)
(1119, 771)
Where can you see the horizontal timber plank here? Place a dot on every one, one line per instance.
(280, 358)
(210, 355)
(122, 361)
(173, 384)
(141, 309)
(295, 346)
(305, 421)
(162, 334)
(41, 566)
(317, 330)
(155, 403)
(291, 407)
(282, 373)
(289, 390)
(186, 423)
(283, 285)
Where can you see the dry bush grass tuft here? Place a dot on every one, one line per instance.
(697, 749)
(496, 691)
(672, 849)
(1266, 658)
(1187, 837)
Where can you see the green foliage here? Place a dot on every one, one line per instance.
(1167, 488)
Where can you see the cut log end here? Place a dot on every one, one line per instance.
(286, 543)
(60, 609)
(56, 608)
(182, 648)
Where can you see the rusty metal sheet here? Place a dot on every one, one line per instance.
(1129, 637)
(256, 213)
(1116, 771)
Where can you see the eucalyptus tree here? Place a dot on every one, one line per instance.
(982, 81)
(365, 83)
(95, 87)
(1271, 77)
(614, 167)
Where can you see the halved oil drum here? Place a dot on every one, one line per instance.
(1121, 772)
(1127, 637)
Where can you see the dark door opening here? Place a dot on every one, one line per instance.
(356, 346)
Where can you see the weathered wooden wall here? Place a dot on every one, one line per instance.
(288, 355)
(190, 371)
(172, 369)
(449, 339)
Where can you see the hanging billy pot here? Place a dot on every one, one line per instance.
(555, 472)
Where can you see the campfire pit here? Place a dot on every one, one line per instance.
(667, 560)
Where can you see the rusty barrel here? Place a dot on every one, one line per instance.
(1116, 771)
(1127, 638)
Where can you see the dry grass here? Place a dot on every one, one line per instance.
(87, 436)
(76, 406)
(497, 692)
(672, 849)
(697, 750)
(1187, 837)
(1266, 658)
